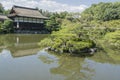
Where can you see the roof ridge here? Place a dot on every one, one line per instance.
(26, 12)
(24, 7)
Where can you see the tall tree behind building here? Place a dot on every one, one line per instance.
(1, 9)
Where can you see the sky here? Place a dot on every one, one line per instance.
(54, 5)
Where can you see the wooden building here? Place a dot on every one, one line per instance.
(27, 18)
(3, 17)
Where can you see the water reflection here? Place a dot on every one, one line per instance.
(47, 58)
(34, 64)
(5, 53)
(20, 45)
(71, 68)
(103, 57)
(76, 68)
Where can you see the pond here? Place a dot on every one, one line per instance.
(22, 59)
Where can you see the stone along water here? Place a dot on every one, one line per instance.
(21, 59)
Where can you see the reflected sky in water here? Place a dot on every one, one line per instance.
(21, 59)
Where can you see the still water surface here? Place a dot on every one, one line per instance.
(21, 59)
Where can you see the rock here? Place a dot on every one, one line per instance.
(93, 50)
(47, 48)
(61, 51)
(56, 50)
(52, 49)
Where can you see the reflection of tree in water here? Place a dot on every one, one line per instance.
(46, 59)
(103, 57)
(71, 67)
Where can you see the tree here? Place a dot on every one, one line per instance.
(6, 12)
(102, 11)
(7, 26)
(52, 25)
(45, 13)
(3, 11)
(1, 8)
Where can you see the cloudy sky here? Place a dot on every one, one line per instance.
(54, 5)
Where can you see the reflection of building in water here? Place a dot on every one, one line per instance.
(23, 49)
(17, 39)
(21, 53)
(24, 46)
(21, 45)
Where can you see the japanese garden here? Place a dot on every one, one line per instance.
(65, 43)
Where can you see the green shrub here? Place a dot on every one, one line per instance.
(97, 27)
(47, 42)
(113, 40)
(7, 26)
(102, 11)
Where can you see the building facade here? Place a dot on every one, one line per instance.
(27, 18)
(3, 18)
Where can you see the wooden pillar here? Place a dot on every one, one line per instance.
(17, 24)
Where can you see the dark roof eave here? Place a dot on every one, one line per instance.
(27, 16)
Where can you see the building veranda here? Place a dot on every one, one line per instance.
(26, 19)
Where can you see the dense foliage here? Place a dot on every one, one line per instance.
(6, 27)
(97, 25)
(1, 8)
(55, 20)
(102, 11)
(3, 11)
(73, 39)
(113, 40)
